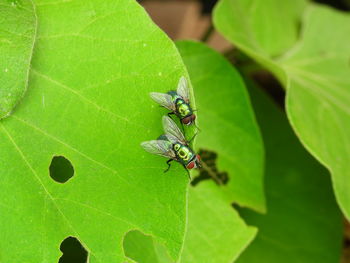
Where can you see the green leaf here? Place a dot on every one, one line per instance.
(93, 67)
(215, 232)
(303, 223)
(315, 72)
(17, 36)
(256, 23)
(143, 249)
(227, 123)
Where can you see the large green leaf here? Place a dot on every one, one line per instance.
(17, 36)
(315, 72)
(93, 67)
(215, 232)
(227, 123)
(303, 223)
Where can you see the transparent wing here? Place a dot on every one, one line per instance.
(171, 128)
(159, 147)
(163, 99)
(172, 138)
(182, 89)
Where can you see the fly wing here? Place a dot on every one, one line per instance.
(171, 128)
(163, 99)
(182, 89)
(172, 138)
(159, 147)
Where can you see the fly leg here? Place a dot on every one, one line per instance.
(168, 163)
(194, 136)
(199, 130)
(182, 126)
(170, 113)
(195, 123)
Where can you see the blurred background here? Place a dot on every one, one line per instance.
(191, 19)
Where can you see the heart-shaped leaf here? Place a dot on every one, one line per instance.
(315, 71)
(302, 220)
(93, 67)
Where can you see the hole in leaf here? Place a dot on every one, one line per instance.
(144, 249)
(73, 251)
(209, 169)
(61, 169)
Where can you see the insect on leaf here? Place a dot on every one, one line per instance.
(92, 70)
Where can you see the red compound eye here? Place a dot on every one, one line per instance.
(191, 165)
(193, 118)
(187, 120)
(198, 158)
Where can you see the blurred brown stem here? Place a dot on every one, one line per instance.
(207, 33)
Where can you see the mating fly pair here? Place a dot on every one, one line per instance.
(173, 144)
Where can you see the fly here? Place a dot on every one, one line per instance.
(174, 146)
(177, 101)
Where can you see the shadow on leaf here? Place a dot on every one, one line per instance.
(209, 169)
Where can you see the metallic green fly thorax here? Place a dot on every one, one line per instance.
(184, 153)
(183, 109)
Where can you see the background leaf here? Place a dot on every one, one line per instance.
(93, 67)
(302, 223)
(315, 72)
(17, 36)
(215, 232)
(227, 123)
